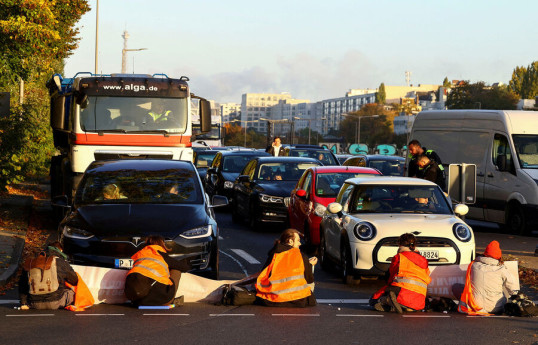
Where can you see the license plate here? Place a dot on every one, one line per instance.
(123, 263)
(430, 254)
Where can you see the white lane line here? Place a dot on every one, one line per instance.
(25, 315)
(237, 262)
(231, 314)
(99, 314)
(295, 314)
(249, 258)
(357, 315)
(166, 314)
(426, 315)
(9, 301)
(343, 301)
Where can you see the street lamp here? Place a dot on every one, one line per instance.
(309, 126)
(124, 58)
(246, 127)
(358, 125)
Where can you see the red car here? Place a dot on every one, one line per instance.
(316, 189)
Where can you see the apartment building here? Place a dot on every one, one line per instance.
(258, 105)
(230, 112)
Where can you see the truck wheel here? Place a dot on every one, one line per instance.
(515, 220)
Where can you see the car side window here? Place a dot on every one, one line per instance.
(502, 156)
(250, 169)
(307, 183)
(216, 160)
(343, 196)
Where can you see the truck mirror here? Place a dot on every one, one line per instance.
(57, 112)
(82, 100)
(205, 115)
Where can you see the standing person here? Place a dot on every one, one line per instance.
(155, 275)
(416, 149)
(288, 275)
(276, 148)
(431, 171)
(36, 290)
(486, 278)
(409, 277)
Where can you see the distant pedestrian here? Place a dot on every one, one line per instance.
(431, 171)
(276, 149)
(415, 149)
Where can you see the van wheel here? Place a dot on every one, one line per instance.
(515, 220)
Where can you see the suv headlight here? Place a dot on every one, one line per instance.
(77, 233)
(202, 231)
(462, 232)
(364, 231)
(228, 184)
(319, 209)
(271, 199)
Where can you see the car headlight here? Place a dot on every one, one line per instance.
(202, 231)
(319, 210)
(271, 199)
(462, 232)
(364, 231)
(228, 184)
(77, 233)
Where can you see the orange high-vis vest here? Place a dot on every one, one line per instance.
(83, 296)
(283, 280)
(151, 264)
(467, 303)
(411, 277)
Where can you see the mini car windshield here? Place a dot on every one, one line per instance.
(173, 186)
(235, 164)
(328, 184)
(398, 199)
(288, 171)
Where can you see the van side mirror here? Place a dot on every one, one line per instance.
(57, 112)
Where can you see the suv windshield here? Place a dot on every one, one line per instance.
(324, 156)
(134, 114)
(527, 150)
(398, 199)
(289, 171)
(174, 186)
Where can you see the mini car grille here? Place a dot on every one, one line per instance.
(421, 242)
(286, 201)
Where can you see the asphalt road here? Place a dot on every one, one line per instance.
(342, 315)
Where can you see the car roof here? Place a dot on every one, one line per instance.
(139, 164)
(243, 153)
(340, 168)
(272, 159)
(390, 180)
(385, 157)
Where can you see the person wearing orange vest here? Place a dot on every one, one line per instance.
(484, 283)
(287, 276)
(155, 275)
(409, 277)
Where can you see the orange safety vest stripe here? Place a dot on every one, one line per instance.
(412, 277)
(283, 279)
(467, 303)
(151, 264)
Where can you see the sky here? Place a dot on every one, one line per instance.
(312, 49)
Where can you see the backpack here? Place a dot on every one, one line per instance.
(42, 274)
(237, 295)
(520, 305)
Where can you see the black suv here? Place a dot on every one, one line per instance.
(326, 157)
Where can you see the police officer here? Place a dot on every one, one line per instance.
(416, 149)
(431, 171)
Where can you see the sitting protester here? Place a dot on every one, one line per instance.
(155, 275)
(408, 281)
(287, 273)
(43, 282)
(484, 283)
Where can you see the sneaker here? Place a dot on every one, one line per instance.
(179, 301)
(395, 303)
(379, 307)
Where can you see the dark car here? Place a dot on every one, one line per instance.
(326, 157)
(118, 203)
(388, 165)
(225, 168)
(202, 160)
(262, 191)
(343, 157)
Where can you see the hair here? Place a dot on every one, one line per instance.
(414, 142)
(288, 234)
(275, 138)
(111, 190)
(157, 240)
(408, 240)
(419, 157)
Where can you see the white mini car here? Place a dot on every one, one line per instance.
(360, 230)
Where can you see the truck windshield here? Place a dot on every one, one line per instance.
(134, 114)
(527, 150)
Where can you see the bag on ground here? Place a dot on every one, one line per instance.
(237, 295)
(520, 305)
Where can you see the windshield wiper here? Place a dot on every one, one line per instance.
(162, 131)
(101, 131)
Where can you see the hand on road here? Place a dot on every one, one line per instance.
(313, 261)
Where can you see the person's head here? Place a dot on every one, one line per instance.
(111, 192)
(156, 240)
(414, 147)
(407, 240)
(277, 141)
(291, 237)
(321, 157)
(423, 160)
(493, 250)
(157, 106)
(174, 189)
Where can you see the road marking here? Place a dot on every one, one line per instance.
(426, 315)
(359, 315)
(9, 301)
(166, 314)
(237, 262)
(337, 301)
(249, 258)
(295, 314)
(99, 314)
(24, 315)
(231, 314)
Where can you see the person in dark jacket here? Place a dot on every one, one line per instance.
(60, 298)
(431, 171)
(155, 275)
(408, 279)
(415, 150)
(276, 149)
(271, 292)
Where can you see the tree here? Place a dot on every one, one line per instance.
(524, 81)
(447, 83)
(480, 96)
(381, 95)
(373, 129)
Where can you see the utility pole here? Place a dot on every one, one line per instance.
(124, 52)
(96, 35)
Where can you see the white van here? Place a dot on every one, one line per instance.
(504, 146)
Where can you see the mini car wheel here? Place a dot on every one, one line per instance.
(346, 265)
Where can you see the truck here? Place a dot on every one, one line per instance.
(212, 139)
(99, 117)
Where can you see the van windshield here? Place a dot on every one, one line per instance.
(527, 150)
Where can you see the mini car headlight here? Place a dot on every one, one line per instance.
(202, 231)
(462, 232)
(77, 233)
(271, 199)
(228, 184)
(364, 231)
(319, 209)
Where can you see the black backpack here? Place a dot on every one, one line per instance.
(237, 295)
(520, 305)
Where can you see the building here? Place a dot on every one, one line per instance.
(258, 105)
(288, 111)
(403, 123)
(230, 112)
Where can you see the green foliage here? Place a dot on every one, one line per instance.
(446, 83)
(524, 81)
(381, 95)
(480, 96)
(373, 130)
